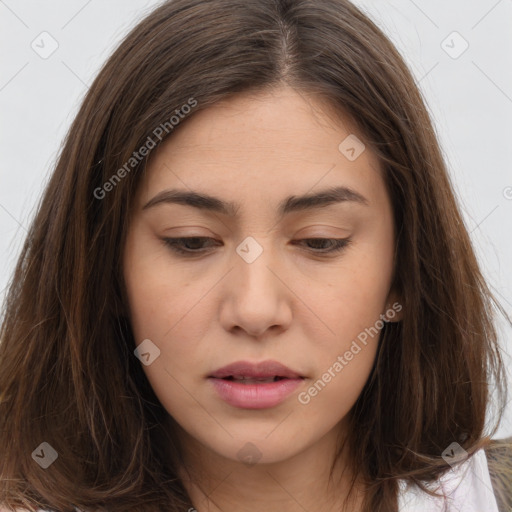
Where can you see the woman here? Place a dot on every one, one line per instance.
(248, 285)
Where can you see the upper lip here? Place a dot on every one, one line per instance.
(255, 370)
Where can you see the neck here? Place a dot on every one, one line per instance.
(301, 482)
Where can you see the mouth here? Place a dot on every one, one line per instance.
(252, 380)
(255, 385)
(264, 371)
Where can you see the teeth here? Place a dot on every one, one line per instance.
(250, 380)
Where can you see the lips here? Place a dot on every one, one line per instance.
(265, 371)
(248, 385)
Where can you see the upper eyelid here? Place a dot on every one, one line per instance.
(203, 237)
(339, 243)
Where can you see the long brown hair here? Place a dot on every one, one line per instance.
(69, 377)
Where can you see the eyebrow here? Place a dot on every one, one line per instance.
(321, 199)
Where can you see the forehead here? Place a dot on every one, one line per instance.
(264, 145)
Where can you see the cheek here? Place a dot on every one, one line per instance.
(158, 295)
(351, 306)
(164, 314)
(354, 297)
(169, 309)
(178, 396)
(345, 358)
(338, 385)
(171, 317)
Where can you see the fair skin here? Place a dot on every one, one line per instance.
(294, 303)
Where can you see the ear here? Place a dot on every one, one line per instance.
(394, 307)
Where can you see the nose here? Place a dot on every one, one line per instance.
(256, 295)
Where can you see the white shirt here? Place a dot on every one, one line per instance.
(467, 486)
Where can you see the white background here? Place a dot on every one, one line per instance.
(470, 99)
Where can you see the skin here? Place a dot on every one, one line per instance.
(292, 304)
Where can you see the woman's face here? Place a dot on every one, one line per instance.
(253, 287)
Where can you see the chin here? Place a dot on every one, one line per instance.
(250, 449)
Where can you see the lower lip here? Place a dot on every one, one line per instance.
(255, 396)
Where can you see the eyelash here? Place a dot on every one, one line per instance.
(176, 245)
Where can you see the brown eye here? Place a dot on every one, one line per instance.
(187, 245)
(326, 245)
